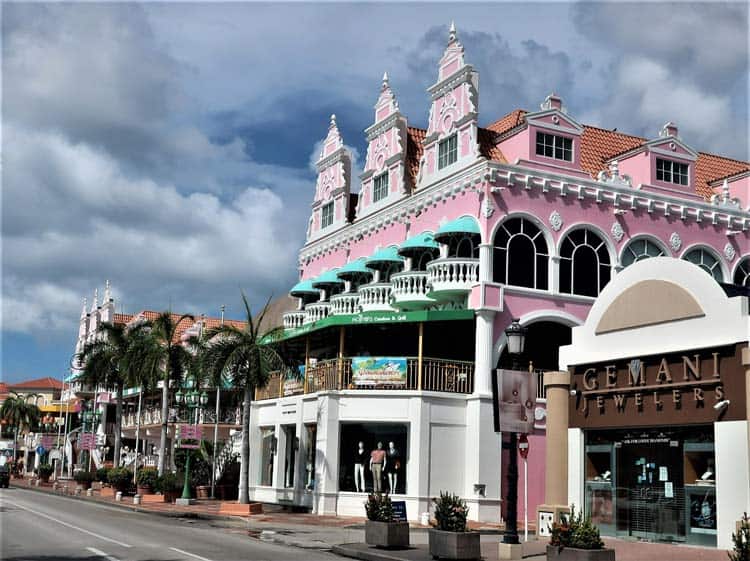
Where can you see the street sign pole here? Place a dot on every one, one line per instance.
(523, 450)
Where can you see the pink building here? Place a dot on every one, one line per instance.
(406, 287)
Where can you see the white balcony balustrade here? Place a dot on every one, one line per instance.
(345, 304)
(452, 277)
(375, 297)
(294, 319)
(410, 290)
(317, 311)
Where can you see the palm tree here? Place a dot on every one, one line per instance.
(160, 351)
(243, 356)
(107, 363)
(17, 412)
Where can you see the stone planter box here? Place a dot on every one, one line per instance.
(454, 545)
(203, 492)
(574, 554)
(144, 490)
(387, 534)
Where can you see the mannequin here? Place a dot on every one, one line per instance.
(359, 468)
(392, 467)
(377, 465)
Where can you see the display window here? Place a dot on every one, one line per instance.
(267, 452)
(373, 457)
(290, 454)
(311, 439)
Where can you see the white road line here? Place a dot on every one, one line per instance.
(188, 553)
(100, 553)
(47, 516)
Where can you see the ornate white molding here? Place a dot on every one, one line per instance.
(617, 231)
(488, 207)
(675, 241)
(556, 221)
(729, 252)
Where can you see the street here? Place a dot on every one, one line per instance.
(39, 526)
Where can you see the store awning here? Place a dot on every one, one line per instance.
(353, 269)
(303, 288)
(463, 225)
(326, 279)
(420, 242)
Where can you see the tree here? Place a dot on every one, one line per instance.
(247, 358)
(17, 412)
(108, 363)
(161, 352)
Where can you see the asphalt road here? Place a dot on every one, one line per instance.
(38, 526)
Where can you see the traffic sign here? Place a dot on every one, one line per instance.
(523, 446)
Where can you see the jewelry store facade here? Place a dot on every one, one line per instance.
(658, 410)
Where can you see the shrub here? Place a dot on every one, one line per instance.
(84, 477)
(450, 513)
(169, 482)
(147, 477)
(120, 478)
(44, 470)
(101, 474)
(741, 539)
(576, 531)
(379, 508)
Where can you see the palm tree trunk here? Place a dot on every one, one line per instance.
(164, 415)
(244, 496)
(15, 447)
(118, 425)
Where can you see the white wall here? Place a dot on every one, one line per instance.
(575, 468)
(732, 455)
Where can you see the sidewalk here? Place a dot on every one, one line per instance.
(345, 535)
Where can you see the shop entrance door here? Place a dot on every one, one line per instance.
(650, 490)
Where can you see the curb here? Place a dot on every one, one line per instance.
(345, 550)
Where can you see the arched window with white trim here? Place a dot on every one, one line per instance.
(640, 249)
(706, 260)
(464, 246)
(521, 254)
(585, 266)
(742, 273)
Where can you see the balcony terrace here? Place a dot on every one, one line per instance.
(409, 290)
(345, 304)
(452, 277)
(294, 319)
(316, 311)
(375, 297)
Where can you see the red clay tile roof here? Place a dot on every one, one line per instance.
(414, 149)
(488, 146)
(598, 145)
(709, 168)
(37, 384)
(208, 322)
(511, 120)
(730, 176)
(122, 318)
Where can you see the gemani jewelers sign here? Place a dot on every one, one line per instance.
(676, 388)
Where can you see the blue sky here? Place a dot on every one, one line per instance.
(168, 147)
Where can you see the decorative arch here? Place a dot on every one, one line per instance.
(586, 260)
(642, 246)
(741, 274)
(521, 252)
(707, 259)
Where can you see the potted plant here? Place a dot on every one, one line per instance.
(44, 471)
(380, 528)
(120, 478)
(576, 538)
(83, 479)
(170, 486)
(741, 539)
(449, 537)
(101, 475)
(145, 481)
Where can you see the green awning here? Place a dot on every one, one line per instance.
(303, 288)
(420, 242)
(386, 256)
(463, 225)
(353, 269)
(326, 279)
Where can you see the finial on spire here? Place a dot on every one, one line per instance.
(385, 80)
(95, 303)
(333, 121)
(83, 311)
(107, 293)
(725, 190)
(452, 32)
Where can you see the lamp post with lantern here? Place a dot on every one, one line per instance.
(193, 400)
(516, 337)
(89, 416)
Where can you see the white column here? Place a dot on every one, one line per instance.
(485, 262)
(575, 467)
(732, 454)
(554, 274)
(327, 456)
(417, 467)
(483, 366)
(482, 465)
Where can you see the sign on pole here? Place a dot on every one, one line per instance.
(513, 399)
(189, 436)
(87, 441)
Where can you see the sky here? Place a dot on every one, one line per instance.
(169, 147)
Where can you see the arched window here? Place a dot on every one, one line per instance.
(521, 255)
(640, 249)
(706, 261)
(463, 246)
(742, 273)
(584, 263)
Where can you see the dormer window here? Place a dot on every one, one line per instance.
(671, 172)
(447, 151)
(554, 146)
(326, 215)
(380, 187)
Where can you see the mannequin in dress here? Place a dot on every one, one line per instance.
(377, 464)
(359, 468)
(393, 466)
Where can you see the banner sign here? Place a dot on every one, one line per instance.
(47, 441)
(378, 371)
(294, 381)
(192, 433)
(87, 441)
(513, 399)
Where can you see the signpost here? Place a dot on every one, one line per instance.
(523, 449)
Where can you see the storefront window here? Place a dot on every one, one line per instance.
(373, 457)
(267, 451)
(311, 436)
(290, 453)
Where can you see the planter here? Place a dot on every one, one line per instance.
(575, 554)
(387, 534)
(454, 545)
(144, 490)
(44, 478)
(203, 491)
(171, 496)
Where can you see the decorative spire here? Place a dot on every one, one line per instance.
(333, 122)
(107, 293)
(83, 311)
(385, 81)
(453, 56)
(452, 37)
(95, 303)
(725, 191)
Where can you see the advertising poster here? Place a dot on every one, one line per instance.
(513, 399)
(294, 381)
(378, 371)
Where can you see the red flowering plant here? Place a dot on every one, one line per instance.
(450, 513)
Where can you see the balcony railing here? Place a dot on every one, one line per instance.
(317, 311)
(410, 290)
(375, 297)
(452, 276)
(435, 374)
(345, 304)
(152, 416)
(294, 319)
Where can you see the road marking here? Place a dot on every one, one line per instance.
(188, 553)
(100, 553)
(47, 516)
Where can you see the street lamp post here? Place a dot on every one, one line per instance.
(194, 401)
(516, 336)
